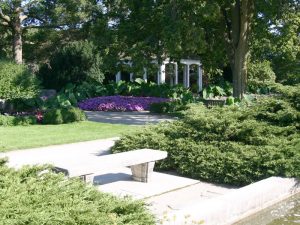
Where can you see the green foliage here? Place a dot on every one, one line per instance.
(289, 93)
(16, 81)
(6, 120)
(71, 94)
(277, 112)
(276, 38)
(233, 145)
(141, 88)
(53, 116)
(260, 77)
(17, 120)
(213, 91)
(63, 115)
(168, 107)
(75, 63)
(72, 114)
(35, 196)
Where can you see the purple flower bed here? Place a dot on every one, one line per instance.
(119, 103)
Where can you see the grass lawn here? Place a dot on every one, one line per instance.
(20, 137)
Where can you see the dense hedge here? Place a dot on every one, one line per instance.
(30, 196)
(233, 145)
(16, 81)
(63, 115)
(17, 120)
(51, 116)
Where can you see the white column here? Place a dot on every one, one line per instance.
(145, 75)
(118, 76)
(200, 83)
(163, 73)
(184, 75)
(176, 73)
(188, 76)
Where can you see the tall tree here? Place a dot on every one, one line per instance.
(19, 15)
(13, 22)
(276, 38)
(238, 18)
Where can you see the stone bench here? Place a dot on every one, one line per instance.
(140, 161)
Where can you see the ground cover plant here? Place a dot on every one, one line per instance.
(44, 135)
(232, 145)
(34, 196)
(119, 103)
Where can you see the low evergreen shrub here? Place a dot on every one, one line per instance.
(289, 93)
(53, 116)
(17, 120)
(72, 114)
(168, 107)
(34, 196)
(63, 115)
(24, 120)
(231, 145)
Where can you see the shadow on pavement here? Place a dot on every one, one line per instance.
(128, 118)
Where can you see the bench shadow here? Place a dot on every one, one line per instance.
(111, 178)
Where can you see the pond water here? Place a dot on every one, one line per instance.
(284, 213)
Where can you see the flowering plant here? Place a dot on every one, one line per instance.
(119, 103)
(39, 116)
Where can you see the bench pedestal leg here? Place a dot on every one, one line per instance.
(142, 172)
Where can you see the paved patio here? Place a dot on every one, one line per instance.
(129, 118)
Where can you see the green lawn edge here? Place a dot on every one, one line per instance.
(24, 137)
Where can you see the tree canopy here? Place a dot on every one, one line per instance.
(223, 34)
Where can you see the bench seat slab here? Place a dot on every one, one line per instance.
(141, 162)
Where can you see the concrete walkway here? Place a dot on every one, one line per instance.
(130, 118)
(165, 192)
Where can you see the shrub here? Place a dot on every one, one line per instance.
(34, 196)
(53, 116)
(6, 120)
(24, 120)
(167, 107)
(63, 115)
(72, 114)
(289, 93)
(16, 81)
(75, 63)
(232, 145)
(17, 120)
(260, 76)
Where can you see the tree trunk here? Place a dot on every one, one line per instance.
(237, 35)
(17, 42)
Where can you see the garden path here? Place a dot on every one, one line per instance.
(129, 118)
